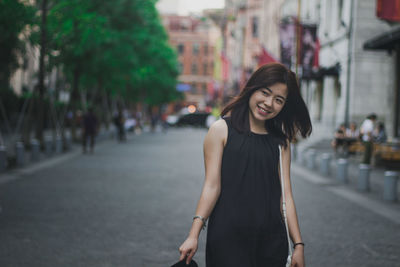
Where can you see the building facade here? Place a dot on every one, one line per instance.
(251, 27)
(194, 40)
(352, 81)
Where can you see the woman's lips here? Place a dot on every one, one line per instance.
(262, 111)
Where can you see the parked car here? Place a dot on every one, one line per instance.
(193, 119)
(130, 124)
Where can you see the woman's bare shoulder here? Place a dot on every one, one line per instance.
(219, 130)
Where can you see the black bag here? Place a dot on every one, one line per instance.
(183, 264)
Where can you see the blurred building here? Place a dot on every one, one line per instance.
(382, 44)
(349, 82)
(194, 39)
(251, 33)
(25, 78)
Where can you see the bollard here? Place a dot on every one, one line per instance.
(59, 145)
(325, 164)
(341, 172)
(3, 158)
(363, 177)
(35, 150)
(390, 186)
(20, 154)
(311, 155)
(48, 143)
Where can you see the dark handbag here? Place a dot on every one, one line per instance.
(183, 264)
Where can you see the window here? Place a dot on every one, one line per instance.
(181, 49)
(180, 67)
(204, 87)
(196, 48)
(254, 27)
(194, 89)
(205, 68)
(194, 68)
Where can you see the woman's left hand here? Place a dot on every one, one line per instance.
(298, 257)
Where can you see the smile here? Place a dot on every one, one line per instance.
(263, 111)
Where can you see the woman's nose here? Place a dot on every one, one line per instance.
(268, 101)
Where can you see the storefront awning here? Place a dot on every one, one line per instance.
(385, 41)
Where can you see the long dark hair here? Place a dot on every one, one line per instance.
(293, 117)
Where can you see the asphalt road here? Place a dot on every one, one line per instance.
(132, 204)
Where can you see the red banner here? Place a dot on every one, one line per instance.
(265, 57)
(388, 9)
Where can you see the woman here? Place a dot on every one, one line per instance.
(241, 194)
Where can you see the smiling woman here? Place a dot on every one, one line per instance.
(288, 113)
(266, 103)
(241, 194)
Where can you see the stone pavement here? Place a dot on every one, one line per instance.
(132, 204)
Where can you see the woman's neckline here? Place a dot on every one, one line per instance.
(251, 132)
(258, 133)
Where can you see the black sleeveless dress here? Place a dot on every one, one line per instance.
(246, 228)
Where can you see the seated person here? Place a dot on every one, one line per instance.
(353, 132)
(339, 137)
(379, 134)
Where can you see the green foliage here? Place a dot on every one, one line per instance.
(14, 17)
(119, 46)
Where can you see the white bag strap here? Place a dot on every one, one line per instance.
(284, 200)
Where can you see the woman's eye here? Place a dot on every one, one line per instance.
(280, 102)
(264, 92)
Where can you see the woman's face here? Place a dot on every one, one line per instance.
(265, 103)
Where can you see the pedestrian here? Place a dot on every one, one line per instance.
(153, 121)
(90, 129)
(139, 127)
(119, 122)
(366, 131)
(164, 121)
(241, 196)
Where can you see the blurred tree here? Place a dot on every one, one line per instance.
(76, 32)
(116, 48)
(145, 66)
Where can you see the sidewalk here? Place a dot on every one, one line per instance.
(44, 160)
(43, 155)
(376, 173)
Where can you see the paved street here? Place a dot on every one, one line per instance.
(132, 204)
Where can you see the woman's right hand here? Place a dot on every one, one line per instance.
(188, 249)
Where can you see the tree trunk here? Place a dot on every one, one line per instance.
(27, 123)
(74, 104)
(41, 87)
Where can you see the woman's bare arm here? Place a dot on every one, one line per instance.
(293, 223)
(214, 143)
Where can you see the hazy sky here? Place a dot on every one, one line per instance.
(184, 7)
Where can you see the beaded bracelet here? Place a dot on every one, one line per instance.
(299, 243)
(202, 219)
